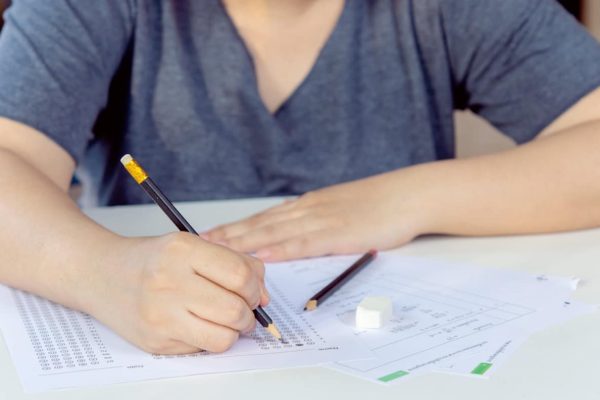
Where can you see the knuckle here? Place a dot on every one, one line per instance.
(235, 243)
(224, 341)
(241, 243)
(269, 230)
(151, 316)
(237, 312)
(160, 273)
(249, 328)
(297, 213)
(302, 244)
(201, 339)
(241, 277)
(254, 221)
(157, 348)
(258, 266)
(254, 298)
(298, 247)
(176, 242)
(216, 233)
(309, 198)
(307, 224)
(334, 221)
(223, 233)
(154, 344)
(157, 277)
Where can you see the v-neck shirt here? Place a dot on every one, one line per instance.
(172, 83)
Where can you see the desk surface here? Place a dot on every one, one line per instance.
(559, 363)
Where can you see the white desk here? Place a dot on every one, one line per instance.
(560, 363)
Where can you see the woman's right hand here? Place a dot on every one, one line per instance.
(177, 293)
(170, 294)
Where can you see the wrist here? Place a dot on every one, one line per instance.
(107, 270)
(416, 194)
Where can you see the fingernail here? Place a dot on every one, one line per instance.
(263, 254)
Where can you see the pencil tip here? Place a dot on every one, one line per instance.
(274, 331)
(311, 305)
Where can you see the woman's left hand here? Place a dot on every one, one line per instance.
(379, 212)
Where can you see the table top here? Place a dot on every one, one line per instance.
(558, 363)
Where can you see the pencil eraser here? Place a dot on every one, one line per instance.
(373, 312)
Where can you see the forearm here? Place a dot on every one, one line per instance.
(165, 286)
(550, 184)
(47, 245)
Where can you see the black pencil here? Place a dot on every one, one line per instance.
(338, 282)
(142, 178)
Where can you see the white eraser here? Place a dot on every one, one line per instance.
(373, 312)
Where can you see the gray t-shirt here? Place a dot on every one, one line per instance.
(172, 83)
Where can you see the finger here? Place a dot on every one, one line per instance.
(277, 232)
(172, 347)
(285, 205)
(255, 221)
(259, 267)
(314, 244)
(205, 335)
(222, 232)
(215, 304)
(238, 274)
(265, 298)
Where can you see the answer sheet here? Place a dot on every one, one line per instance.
(54, 347)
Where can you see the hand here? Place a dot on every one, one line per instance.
(354, 217)
(178, 294)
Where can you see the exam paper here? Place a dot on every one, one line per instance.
(54, 347)
(446, 316)
(485, 362)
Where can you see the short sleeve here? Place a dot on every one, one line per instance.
(57, 59)
(518, 63)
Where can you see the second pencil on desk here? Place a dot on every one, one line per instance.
(339, 281)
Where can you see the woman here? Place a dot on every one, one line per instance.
(349, 102)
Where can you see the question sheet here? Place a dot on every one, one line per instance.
(447, 317)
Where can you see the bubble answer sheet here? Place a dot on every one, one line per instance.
(447, 317)
(54, 347)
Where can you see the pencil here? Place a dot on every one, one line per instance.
(142, 178)
(338, 282)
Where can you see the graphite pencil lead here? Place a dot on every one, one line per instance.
(274, 331)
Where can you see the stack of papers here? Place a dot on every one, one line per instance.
(450, 318)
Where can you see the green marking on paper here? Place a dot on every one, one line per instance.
(481, 368)
(392, 376)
